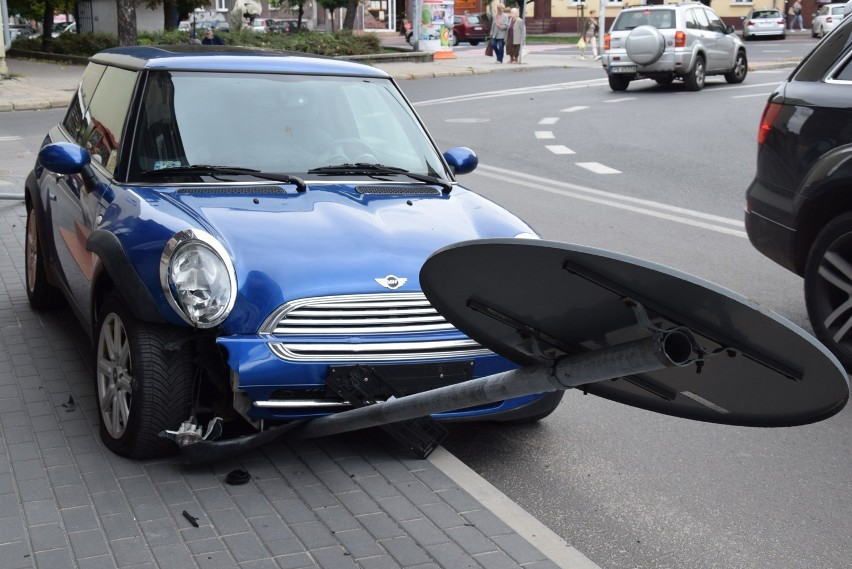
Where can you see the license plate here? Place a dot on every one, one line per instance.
(624, 69)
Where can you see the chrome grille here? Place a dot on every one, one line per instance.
(365, 316)
(356, 315)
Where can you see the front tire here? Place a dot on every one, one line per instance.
(828, 288)
(143, 382)
(41, 294)
(738, 73)
(694, 80)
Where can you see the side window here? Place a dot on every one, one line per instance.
(106, 114)
(716, 23)
(701, 18)
(73, 121)
(691, 24)
(457, 20)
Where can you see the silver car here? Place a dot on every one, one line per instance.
(828, 18)
(764, 22)
(685, 41)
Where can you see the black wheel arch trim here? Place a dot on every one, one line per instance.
(44, 237)
(115, 262)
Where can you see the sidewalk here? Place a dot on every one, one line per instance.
(348, 502)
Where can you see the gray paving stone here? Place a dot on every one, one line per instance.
(295, 561)
(135, 487)
(379, 562)
(317, 496)
(148, 510)
(460, 500)
(72, 496)
(245, 547)
(359, 503)
(394, 471)
(333, 558)
(102, 480)
(270, 528)
(313, 535)
(488, 523)
(173, 555)
(55, 559)
(131, 551)
(519, 549)
(26, 458)
(48, 536)
(294, 511)
(228, 522)
(79, 518)
(377, 487)
(28, 490)
(418, 493)
(337, 518)
(400, 508)
(298, 476)
(66, 475)
(60, 456)
(425, 532)
(159, 533)
(496, 560)
(175, 493)
(11, 529)
(470, 539)
(15, 555)
(99, 562)
(215, 560)
(381, 526)
(406, 551)
(443, 515)
(89, 543)
(260, 564)
(214, 499)
(107, 503)
(41, 512)
(337, 481)
(451, 555)
(15, 435)
(254, 505)
(360, 543)
(119, 526)
(288, 546)
(208, 545)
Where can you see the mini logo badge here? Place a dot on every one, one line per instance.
(392, 282)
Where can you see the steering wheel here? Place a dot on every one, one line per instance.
(344, 149)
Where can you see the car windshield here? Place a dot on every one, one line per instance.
(837, 10)
(276, 123)
(472, 19)
(660, 19)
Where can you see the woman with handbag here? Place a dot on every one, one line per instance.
(590, 35)
(498, 32)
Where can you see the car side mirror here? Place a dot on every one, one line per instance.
(462, 160)
(68, 158)
(729, 29)
(742, 18)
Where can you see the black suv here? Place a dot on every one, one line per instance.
(799, 206)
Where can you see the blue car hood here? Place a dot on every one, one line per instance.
(331, 240)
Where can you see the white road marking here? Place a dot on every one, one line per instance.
(559, 149)
(764, 95)
(549, 120)
(719, 224)
(620, 100)
(512, 92)
(598, 168)
(573, 109)
(9, 138)
(544, 135)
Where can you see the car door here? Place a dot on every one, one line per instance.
(720, 45)
(76, 207)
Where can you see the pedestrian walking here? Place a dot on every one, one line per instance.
(795, 13)
(498, 32)
(515, 35)
(210, 38)
(590, 35)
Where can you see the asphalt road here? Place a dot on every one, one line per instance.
(658, 173)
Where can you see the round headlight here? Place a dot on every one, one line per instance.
(198, 278)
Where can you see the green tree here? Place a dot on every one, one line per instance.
(333, 5)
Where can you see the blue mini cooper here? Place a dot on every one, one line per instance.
(225, 270)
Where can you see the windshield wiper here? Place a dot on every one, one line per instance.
(206, 169)
(368, 169)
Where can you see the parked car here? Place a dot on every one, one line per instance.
(686, 42)
(227, 271)
(826, 19)
(468, 28)
(20, 31)
(764, 22)
(799, 205)
(284, 26)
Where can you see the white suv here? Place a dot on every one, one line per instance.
(686, 41)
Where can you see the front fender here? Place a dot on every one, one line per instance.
(119, 269)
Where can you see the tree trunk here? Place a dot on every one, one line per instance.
(170, 15)
(126, 11)
(47, 27)
(351, 10)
